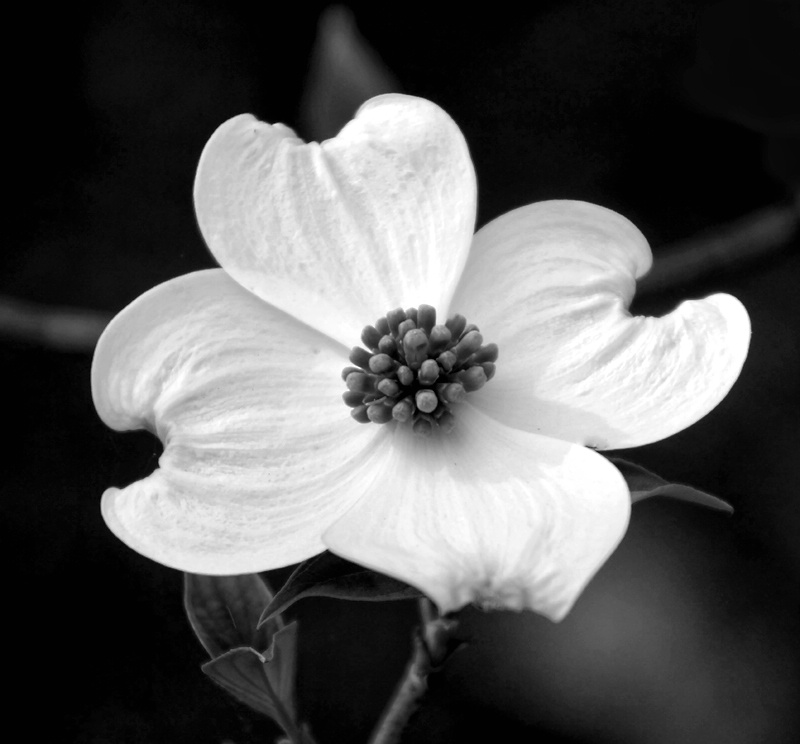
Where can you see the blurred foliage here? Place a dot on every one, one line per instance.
(746, 70)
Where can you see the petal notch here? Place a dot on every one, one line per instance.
(575, 364)
(488, 514)
(336, 233)
(259, 452)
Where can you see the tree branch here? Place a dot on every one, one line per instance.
(723, 248)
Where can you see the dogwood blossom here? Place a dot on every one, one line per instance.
(238, 370)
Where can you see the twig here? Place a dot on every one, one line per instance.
(60, 328)
(434, 643)
(724, 248)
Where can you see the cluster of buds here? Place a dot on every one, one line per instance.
(415, 370)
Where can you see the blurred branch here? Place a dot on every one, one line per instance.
(723, 248)
(60, 328)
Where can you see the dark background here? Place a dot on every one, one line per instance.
(678, 114)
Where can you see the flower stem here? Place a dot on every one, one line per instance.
(434, 643)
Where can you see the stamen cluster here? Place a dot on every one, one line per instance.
(416, 370)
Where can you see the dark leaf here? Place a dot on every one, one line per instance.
(280, 666)
(263, 682)
(643, 485)
(327, 575)
(224, 611)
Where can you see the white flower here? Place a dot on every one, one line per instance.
(238, 370)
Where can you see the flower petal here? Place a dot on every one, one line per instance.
(488, 514)
(550, 283)
(338, 233)
(260, 454)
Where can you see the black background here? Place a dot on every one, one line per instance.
(676, 116)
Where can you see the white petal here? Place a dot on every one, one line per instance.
(550, 283)
(260, 453)
(338, 233)
(488, 514)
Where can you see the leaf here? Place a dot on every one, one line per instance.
(280, 665)
(327, 575)
(264, 682)
(224, 612)
(644, 485)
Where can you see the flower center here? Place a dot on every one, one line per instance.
(416, 370)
